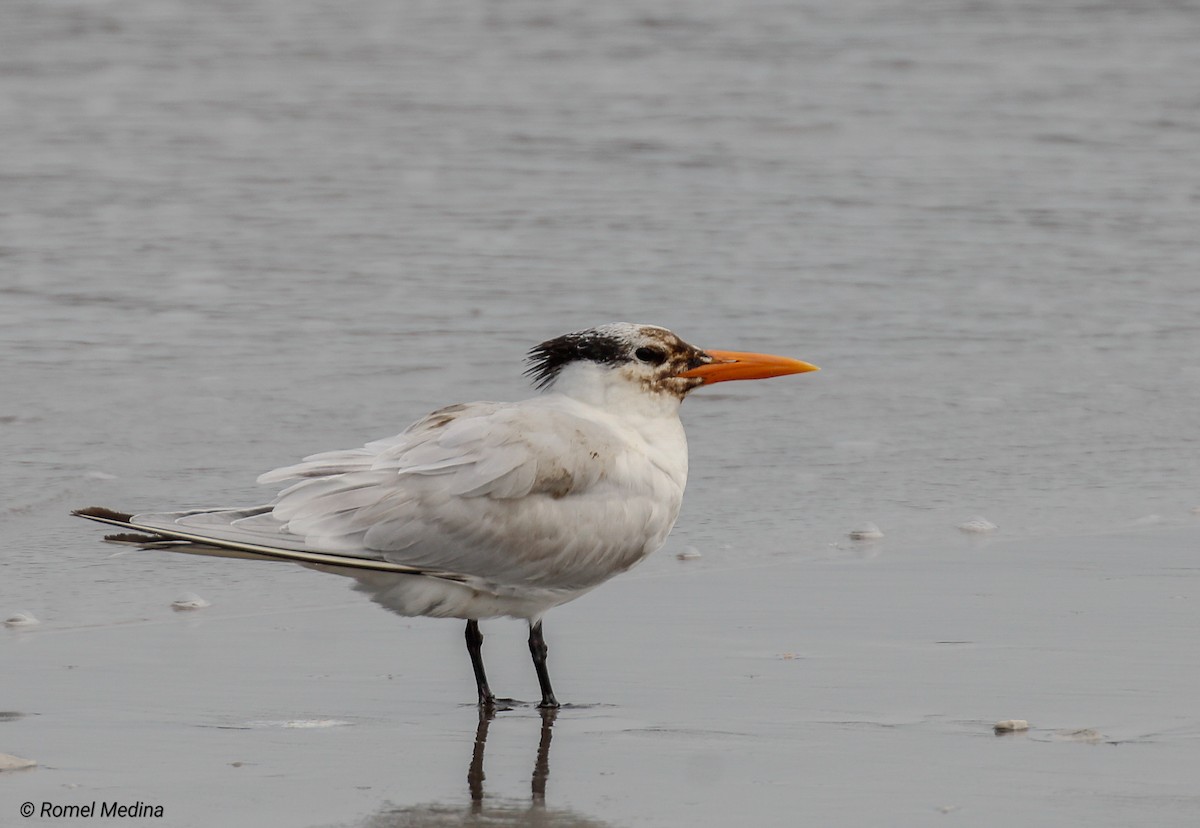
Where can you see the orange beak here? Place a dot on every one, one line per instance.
(735, 365)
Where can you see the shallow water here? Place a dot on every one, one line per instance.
(235, 233)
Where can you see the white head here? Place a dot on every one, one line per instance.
(648, 358)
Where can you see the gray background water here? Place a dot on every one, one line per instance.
(233, 233)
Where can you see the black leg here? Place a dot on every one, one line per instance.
(537, 648)
(475, 648)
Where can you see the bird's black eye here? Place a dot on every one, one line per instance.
(654, 356)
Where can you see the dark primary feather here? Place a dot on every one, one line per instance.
(103, 515)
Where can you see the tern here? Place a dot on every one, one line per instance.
(490, 509)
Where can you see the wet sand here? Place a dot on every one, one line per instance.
(854, 688)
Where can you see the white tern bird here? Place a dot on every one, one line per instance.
(490, 509)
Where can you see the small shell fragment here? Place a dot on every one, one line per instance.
(689, 553)
(868, 531)
(1010, 725)
(977, 525)
(9, 762)
(21, 619)
(190, 601)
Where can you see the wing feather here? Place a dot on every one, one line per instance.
(539, 493)
(321, 465)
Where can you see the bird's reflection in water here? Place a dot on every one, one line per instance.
(486, 810)
(541, 766)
